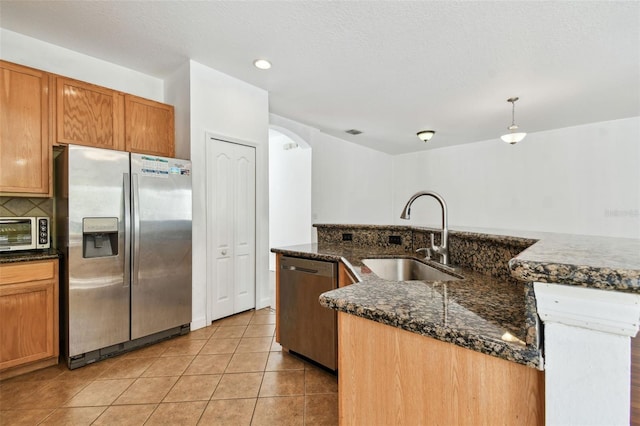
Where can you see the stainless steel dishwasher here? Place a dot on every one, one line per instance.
(306, 327)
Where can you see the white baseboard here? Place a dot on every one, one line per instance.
(197, 323)
(264, 302)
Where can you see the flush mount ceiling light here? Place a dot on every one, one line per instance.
(263, 64)
(426, 135)
(513, 137)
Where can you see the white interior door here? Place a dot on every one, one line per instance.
(231, 207)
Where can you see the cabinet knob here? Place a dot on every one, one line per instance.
(224, 252)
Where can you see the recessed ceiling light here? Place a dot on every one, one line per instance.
(353, 131)
(263, 64)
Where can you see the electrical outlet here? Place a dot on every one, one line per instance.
(395, 239)
(347, 237)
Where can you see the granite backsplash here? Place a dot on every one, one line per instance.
(484, 253)
(362, 236)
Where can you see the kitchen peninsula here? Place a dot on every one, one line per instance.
(406, 347)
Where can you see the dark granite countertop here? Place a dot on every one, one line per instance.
(480, 312)
(596, 262)
(28, 255)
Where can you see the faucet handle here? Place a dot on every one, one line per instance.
(433, 242)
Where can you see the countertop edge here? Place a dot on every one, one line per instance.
(602, 278)
(525, 355)
(28, 256)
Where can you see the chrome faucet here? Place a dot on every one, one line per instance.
(443, 248)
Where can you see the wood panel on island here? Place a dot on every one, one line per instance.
(392, 376)
(345, 277)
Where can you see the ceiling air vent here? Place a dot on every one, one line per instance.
(353, 132)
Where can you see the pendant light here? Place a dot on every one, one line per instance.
(513, 137)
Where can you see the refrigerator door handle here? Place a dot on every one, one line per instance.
(127, 228)
(136, 228)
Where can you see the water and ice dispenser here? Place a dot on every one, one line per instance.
(99, 237)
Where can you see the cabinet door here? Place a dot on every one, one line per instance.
(28, 312)
(25, 148)
(88, 115)
(149, 127)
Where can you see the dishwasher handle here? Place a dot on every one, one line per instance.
(296, 265)
(298, 268)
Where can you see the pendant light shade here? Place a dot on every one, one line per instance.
(426, 135)
(513, 136)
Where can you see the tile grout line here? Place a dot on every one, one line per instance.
(102, 376)
(217, 384)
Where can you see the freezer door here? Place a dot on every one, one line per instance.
(98, 286)
(161, 273)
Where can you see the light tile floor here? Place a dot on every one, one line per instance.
(230, 373)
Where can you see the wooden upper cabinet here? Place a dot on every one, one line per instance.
(149, 127)
(25, 148)
(89, 115)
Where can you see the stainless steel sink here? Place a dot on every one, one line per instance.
(404, 269)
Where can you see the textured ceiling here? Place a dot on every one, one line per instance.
(386, 68)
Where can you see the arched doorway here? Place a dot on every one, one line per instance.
(289, 191)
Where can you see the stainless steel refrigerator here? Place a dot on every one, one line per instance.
(123, 223)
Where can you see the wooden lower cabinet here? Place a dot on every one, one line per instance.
(389, 376)
(29, 316)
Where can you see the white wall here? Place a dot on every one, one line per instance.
(20, 49)
(350, 183)
(177, 93)
(289, 194)
(580, 180)
(236, 111)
